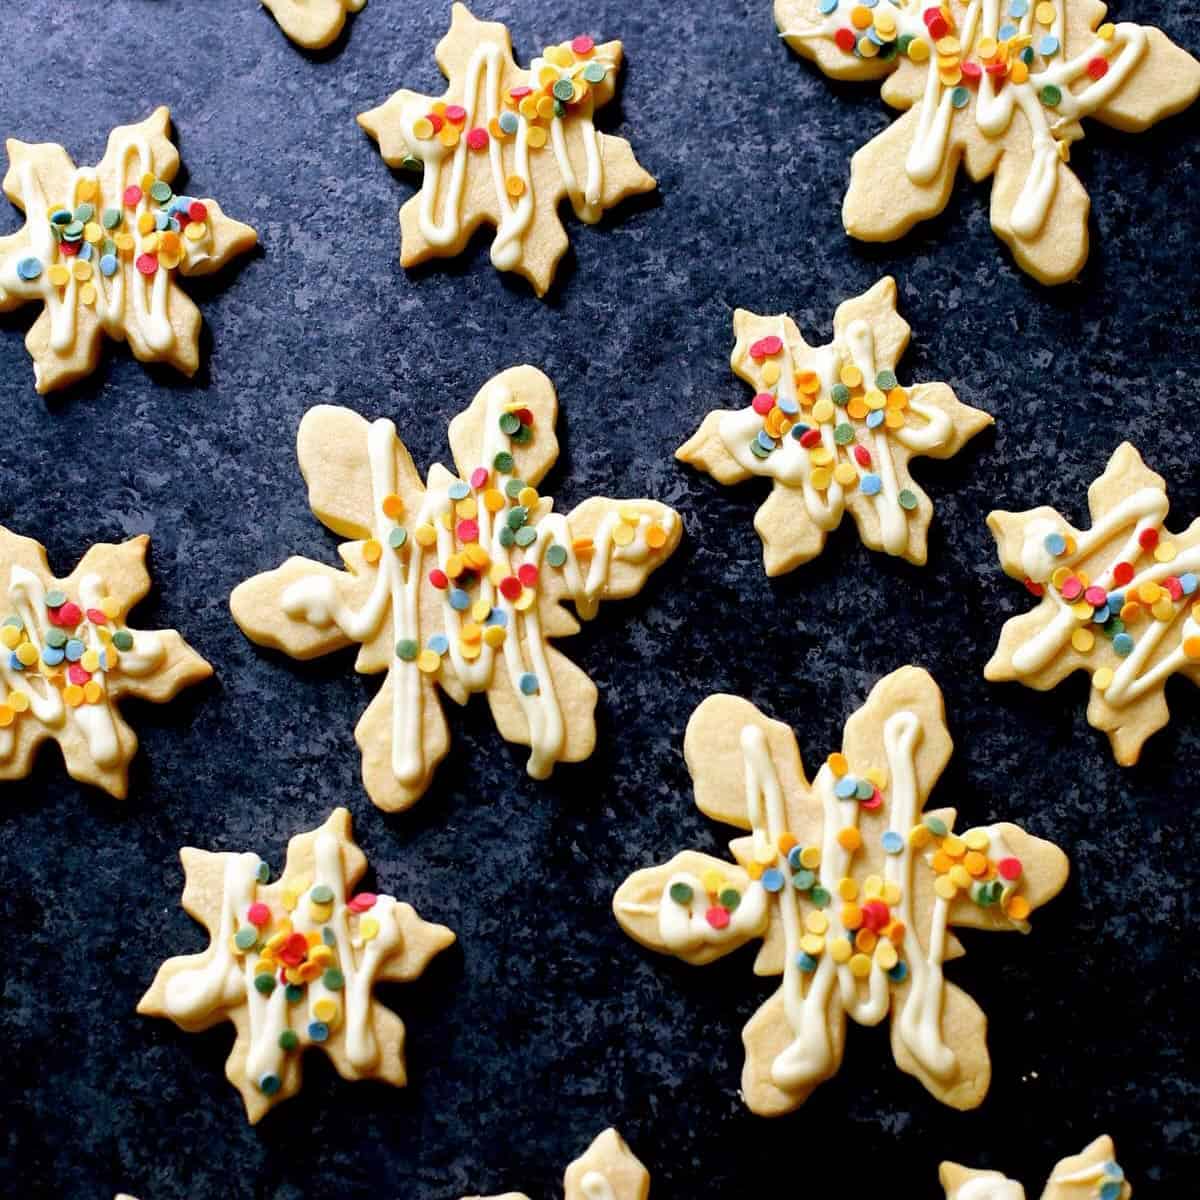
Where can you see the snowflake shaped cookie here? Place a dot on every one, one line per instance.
(1119, 600)
(101, 248)
(313, 24)
(457, 582)
(1004, 86)
(834, 430)
(293, 963)
(1092, 1175)
(67, 657)
(607, 1170)
(504, 146)
(851, 887)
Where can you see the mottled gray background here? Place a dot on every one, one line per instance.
(545, 1024)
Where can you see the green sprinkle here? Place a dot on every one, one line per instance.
(908, 499)
(960, 97)
(410, 162)
(564, 89)
(936, 826)
(509, 423)
(820, 897)
(85, 212)
(1050, 96)
(507, 537)
(525, 536)
(263, 874)
(407, 649)
(56, 639)
(111, 218)
(73, 231)
(560, 109)
(556, 555)
(108, 246)
(397, 537)
(123, 640)
(264, 983)
(288, 1040)
(903, 42)
(885, 380)
(594, 72)
(245, 937)
(14, 622)
(523, 436)
(888, 52)
(328, 936)
(322, 893)
(333, 979)
(55, 599)
(517, 517)
(161, 192)
(1113, 626)
(503, 462)
(295, 993)
(843, 434)
(840, 393)
(758, 449)
(513, 488)
(730, 898)
(803, 880)
(681, 893)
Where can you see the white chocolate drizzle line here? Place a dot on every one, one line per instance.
(1144, 510)
(994, 108)
(396, 592)
(146, 306)
(227, 979)
(483, 75)
(97, 722)
(790, 462)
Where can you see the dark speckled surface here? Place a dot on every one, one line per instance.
(546, 1023)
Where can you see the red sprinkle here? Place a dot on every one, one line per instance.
(436, 121)
(1010, 868)
(810, 437)
(874, 802)
(1095, 596)
(197, 211)
(998, 70)
(524, 415)
(77, 675)
(765, 347)
(439, 578)
(862, 456)
(456, 114)
(479, 478)
(527, 573)
(294, 950)
(147, 264)
(717, 917)
(478, 138)
(1172, 584)
(70, 249)
(519, 93)
(258, 914)
(96, 617)
(510, 587)
(1072, 589)
(361, 901)
(133, 195)
(1123, 572)
(846, 40)
(875, 915)
(1097, 68)
(468, 530)
(763, 403)
(972, 72)
(1035, 589)
(937, 24)
(68, 615)
(583, 44)
(1148, 539)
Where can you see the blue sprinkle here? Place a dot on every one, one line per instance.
(529, 684)
(827, 6)
(509, 122)
(960, 97)
(846, 787)
(865, 790)
(870, 485)
(1116, 602)
(74, 649)
(459, 490)
(460, 601)
(1048, 46)
(86, 252)
(765, 440)
(1027, 56)
(870, 3)
(798, 431)
(161, 221)
(873, 34)
(898, 973)
(875, 418)
(1113, 1169)
(805, 961)
(1123, 644)
(1056, 544)
(1111, 1190)
(52, 657)
(497, 617)
(892, 842)
(1188, 583)
(1101, 614)
(108, 265)
(174, 224)
(439, 643)
(269, 1084)
(29, 268)
(318, 1031)
(1018, 8)
(772, 880)
(788, 406)
(1007, 31)
(14, 663)
(793, 858)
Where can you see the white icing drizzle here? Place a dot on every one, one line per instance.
(127, 299)
(994, 107)
(227, 979)
(790, 462)
(990, 1187)
(1144, 510)
(315, 599)
(481, 100)
(97, 722)
(595, 1186)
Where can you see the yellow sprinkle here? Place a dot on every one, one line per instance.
(124, 241)
(712, 880)
(823, 410)
(472, 633)
(976, 839)
(321, 954)
(426, 535)
(536, 137)
(944, 886)
(810, 857)
(845, 474)
(73, 695)
(840, 951)
(83, 271)
(87, 189)
(320, 912)
(847, 888)
(622, 535)
(145, 223)
(770, 373)
(950, 76)
(918, 50)
(821, 478)
(1019, 908)
(1082, 610)
(515, 186)
(429, 662)
(148, 180)
(960, 876)
(850, 375)
(422, 129)
(986, 47)
(891, 893)
(1106, 31)
(1044, 13)
(18, 702)
(1102, 678)
(368, 927)
(1019, 72)
(1164, 609)
(948, 45)
(372, 551)
(92, 692)
(196, 231)
(1165, 552)
(1083, 640)
(288, 899)
(873, 887)
(878, 776)
(10, 637)
(27, 654)
(455, 566)
(860, 966)
(813, 944)
(325, 1010)
(494, 636)
(816, 922)
(480, 611)
(886, 956)
(92, 233)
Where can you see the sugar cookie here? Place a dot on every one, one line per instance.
(293, 963)
(459, 581)
(504, 146)
(1092, 1175)
(67, 657)
(1119, 600)
(851, 888)
(834, 429)
(313, 24)
(1003, 86)
(608, 1170)
(100, 249)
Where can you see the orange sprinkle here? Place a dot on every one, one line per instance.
(849, 839)
(372, 551)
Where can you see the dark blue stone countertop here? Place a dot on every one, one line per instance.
(545, 1023)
